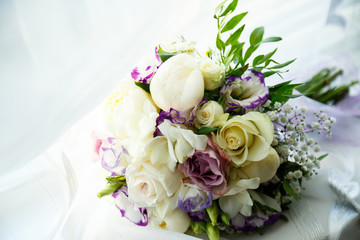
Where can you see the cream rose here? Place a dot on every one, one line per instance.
(178, 84)
(211, 114)
(131, 114)
(246, 138)
(213, 73)
(264, 169)
(149, 185)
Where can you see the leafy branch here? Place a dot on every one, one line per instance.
(232, 51)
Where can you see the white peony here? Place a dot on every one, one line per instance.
(178, 84)
(210, 114)
(213, 73)
(131, 114)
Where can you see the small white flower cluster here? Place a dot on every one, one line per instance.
(292, 142)
(178, 45)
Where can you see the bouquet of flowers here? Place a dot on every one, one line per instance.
(201, 142)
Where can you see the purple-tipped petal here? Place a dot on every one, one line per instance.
(245, 92)
(173, 115)
(253, 222)
(145, 74)
(192, 199)
(112, 155)
(128, 209)
(197, 216)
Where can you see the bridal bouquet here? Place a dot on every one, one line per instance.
(201, 142)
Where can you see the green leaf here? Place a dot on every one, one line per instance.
(249, 52)
(110, 189)
(258, 60)
(116, 180)
(256, 36)
(219, 7)
(271, 39)
(282, 92)
(235, 36)
(269, 55)
(264, 208)
(235, 52)
(164, 55)
(282, 64)
(322, 157)
(207, 130)
(219, 43)
(233, 22)
(230, 8)
(198, 227)
(268, 74)
(264, 58)
(239, 71)
(144, 86)
(212, 212)
(292, 95)
(212, 232)
(225, 219)
(288, 189)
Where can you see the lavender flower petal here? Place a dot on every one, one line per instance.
(173, 115)
(128, 209)
(112, 154)
(145, 74)
(197, 216)
(192, 199)
(245, 92)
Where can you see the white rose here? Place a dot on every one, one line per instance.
(131, 113)
(246, 138)
(213, 73)
(264, 169)
(211, 114)
(178, 84)
(149, 185)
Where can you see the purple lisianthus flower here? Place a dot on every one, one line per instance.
(194, 201)
(253, 222)
(207, 170)
(145, 73)
(173, 115)
(245, 92)
(112, 154)
(128, 209)
(258, 219)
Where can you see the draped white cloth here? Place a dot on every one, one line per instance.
(59, 60)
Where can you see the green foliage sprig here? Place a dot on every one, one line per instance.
(232, 51)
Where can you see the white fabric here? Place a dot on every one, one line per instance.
(58, 61)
